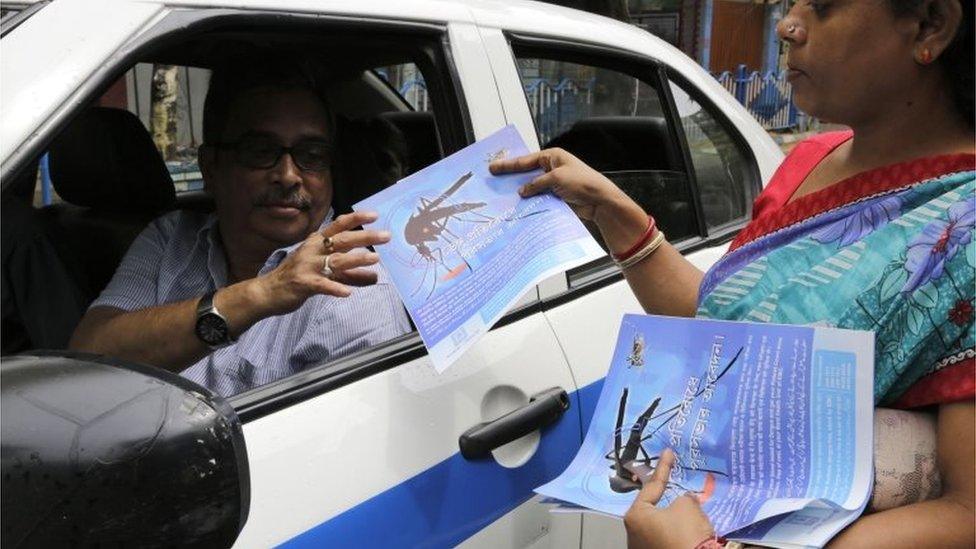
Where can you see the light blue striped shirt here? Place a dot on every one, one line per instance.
(179, 256)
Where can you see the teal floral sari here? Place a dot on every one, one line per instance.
(889, 251)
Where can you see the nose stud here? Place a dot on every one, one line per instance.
(791, 29)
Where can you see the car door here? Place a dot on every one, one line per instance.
(649, 128)
(365, 452)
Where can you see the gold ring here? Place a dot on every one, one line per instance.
(329, 245)
(327, 271)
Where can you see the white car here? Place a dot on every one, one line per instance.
(364, 450)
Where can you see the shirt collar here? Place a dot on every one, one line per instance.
(209, 233)
(217, 261)
(280, 254)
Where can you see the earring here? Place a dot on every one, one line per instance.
(925, 57)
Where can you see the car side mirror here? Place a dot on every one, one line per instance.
(94, 452)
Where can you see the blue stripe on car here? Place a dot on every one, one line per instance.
(453, 500)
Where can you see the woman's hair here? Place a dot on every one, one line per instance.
(957, 60)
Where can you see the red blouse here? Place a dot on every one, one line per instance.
(954, 379)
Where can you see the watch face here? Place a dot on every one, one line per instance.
(212, 329)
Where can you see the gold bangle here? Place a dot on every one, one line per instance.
(653, 245)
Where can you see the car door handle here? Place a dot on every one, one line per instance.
(543, 409)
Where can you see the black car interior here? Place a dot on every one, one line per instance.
(636, 153)
(112, 181)
(41, 298)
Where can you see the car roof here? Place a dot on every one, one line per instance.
(526, 16)
(125, 17)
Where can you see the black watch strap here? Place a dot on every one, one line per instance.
(211, 326)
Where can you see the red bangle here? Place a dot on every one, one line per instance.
(651, 225)
(712, 542)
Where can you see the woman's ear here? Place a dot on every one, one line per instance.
(939, 21)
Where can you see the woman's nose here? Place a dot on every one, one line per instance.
(789, 29)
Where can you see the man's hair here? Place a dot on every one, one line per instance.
(240, 75)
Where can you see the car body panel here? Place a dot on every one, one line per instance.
(43, 70)
(378, 458)
(478, 84)
(389, 444)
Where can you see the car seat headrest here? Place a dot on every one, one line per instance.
(105, 159)
(420, 131)
(614, 143)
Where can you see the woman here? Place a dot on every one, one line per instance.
(870, 229)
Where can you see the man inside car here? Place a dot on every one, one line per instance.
(269, 284)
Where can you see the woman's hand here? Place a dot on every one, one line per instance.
(302, 274)
(682, 524)
(591, 195)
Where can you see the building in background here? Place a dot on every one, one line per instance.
(719, 34)
(735, 40)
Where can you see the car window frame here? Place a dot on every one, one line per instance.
(647, 69)
(389, 86)
(12, 20)
(727, 231)
(604, 272)
(454, 127)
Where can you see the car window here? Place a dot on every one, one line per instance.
(110, 191)
(615, 122)
(168, 99)
(722, 170)
(408, 82)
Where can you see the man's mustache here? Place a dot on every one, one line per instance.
(276, 196)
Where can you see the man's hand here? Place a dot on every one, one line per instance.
(681, 524)
(163, 335)
(300, 275)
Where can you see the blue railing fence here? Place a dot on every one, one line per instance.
(555, 105)
(768, 97)
(415, 92)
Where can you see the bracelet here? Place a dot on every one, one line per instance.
(711, 542)
(648, 233)
(641, 254)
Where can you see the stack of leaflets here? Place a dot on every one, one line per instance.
(771, 425)
(465, 246)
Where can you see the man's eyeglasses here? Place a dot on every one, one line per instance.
(261, 153)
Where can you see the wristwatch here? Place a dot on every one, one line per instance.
(211, 326)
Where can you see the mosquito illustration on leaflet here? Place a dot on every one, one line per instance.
(466, 246)
(632, 464)
(429, 225)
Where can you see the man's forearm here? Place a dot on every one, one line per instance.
(165, 335)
